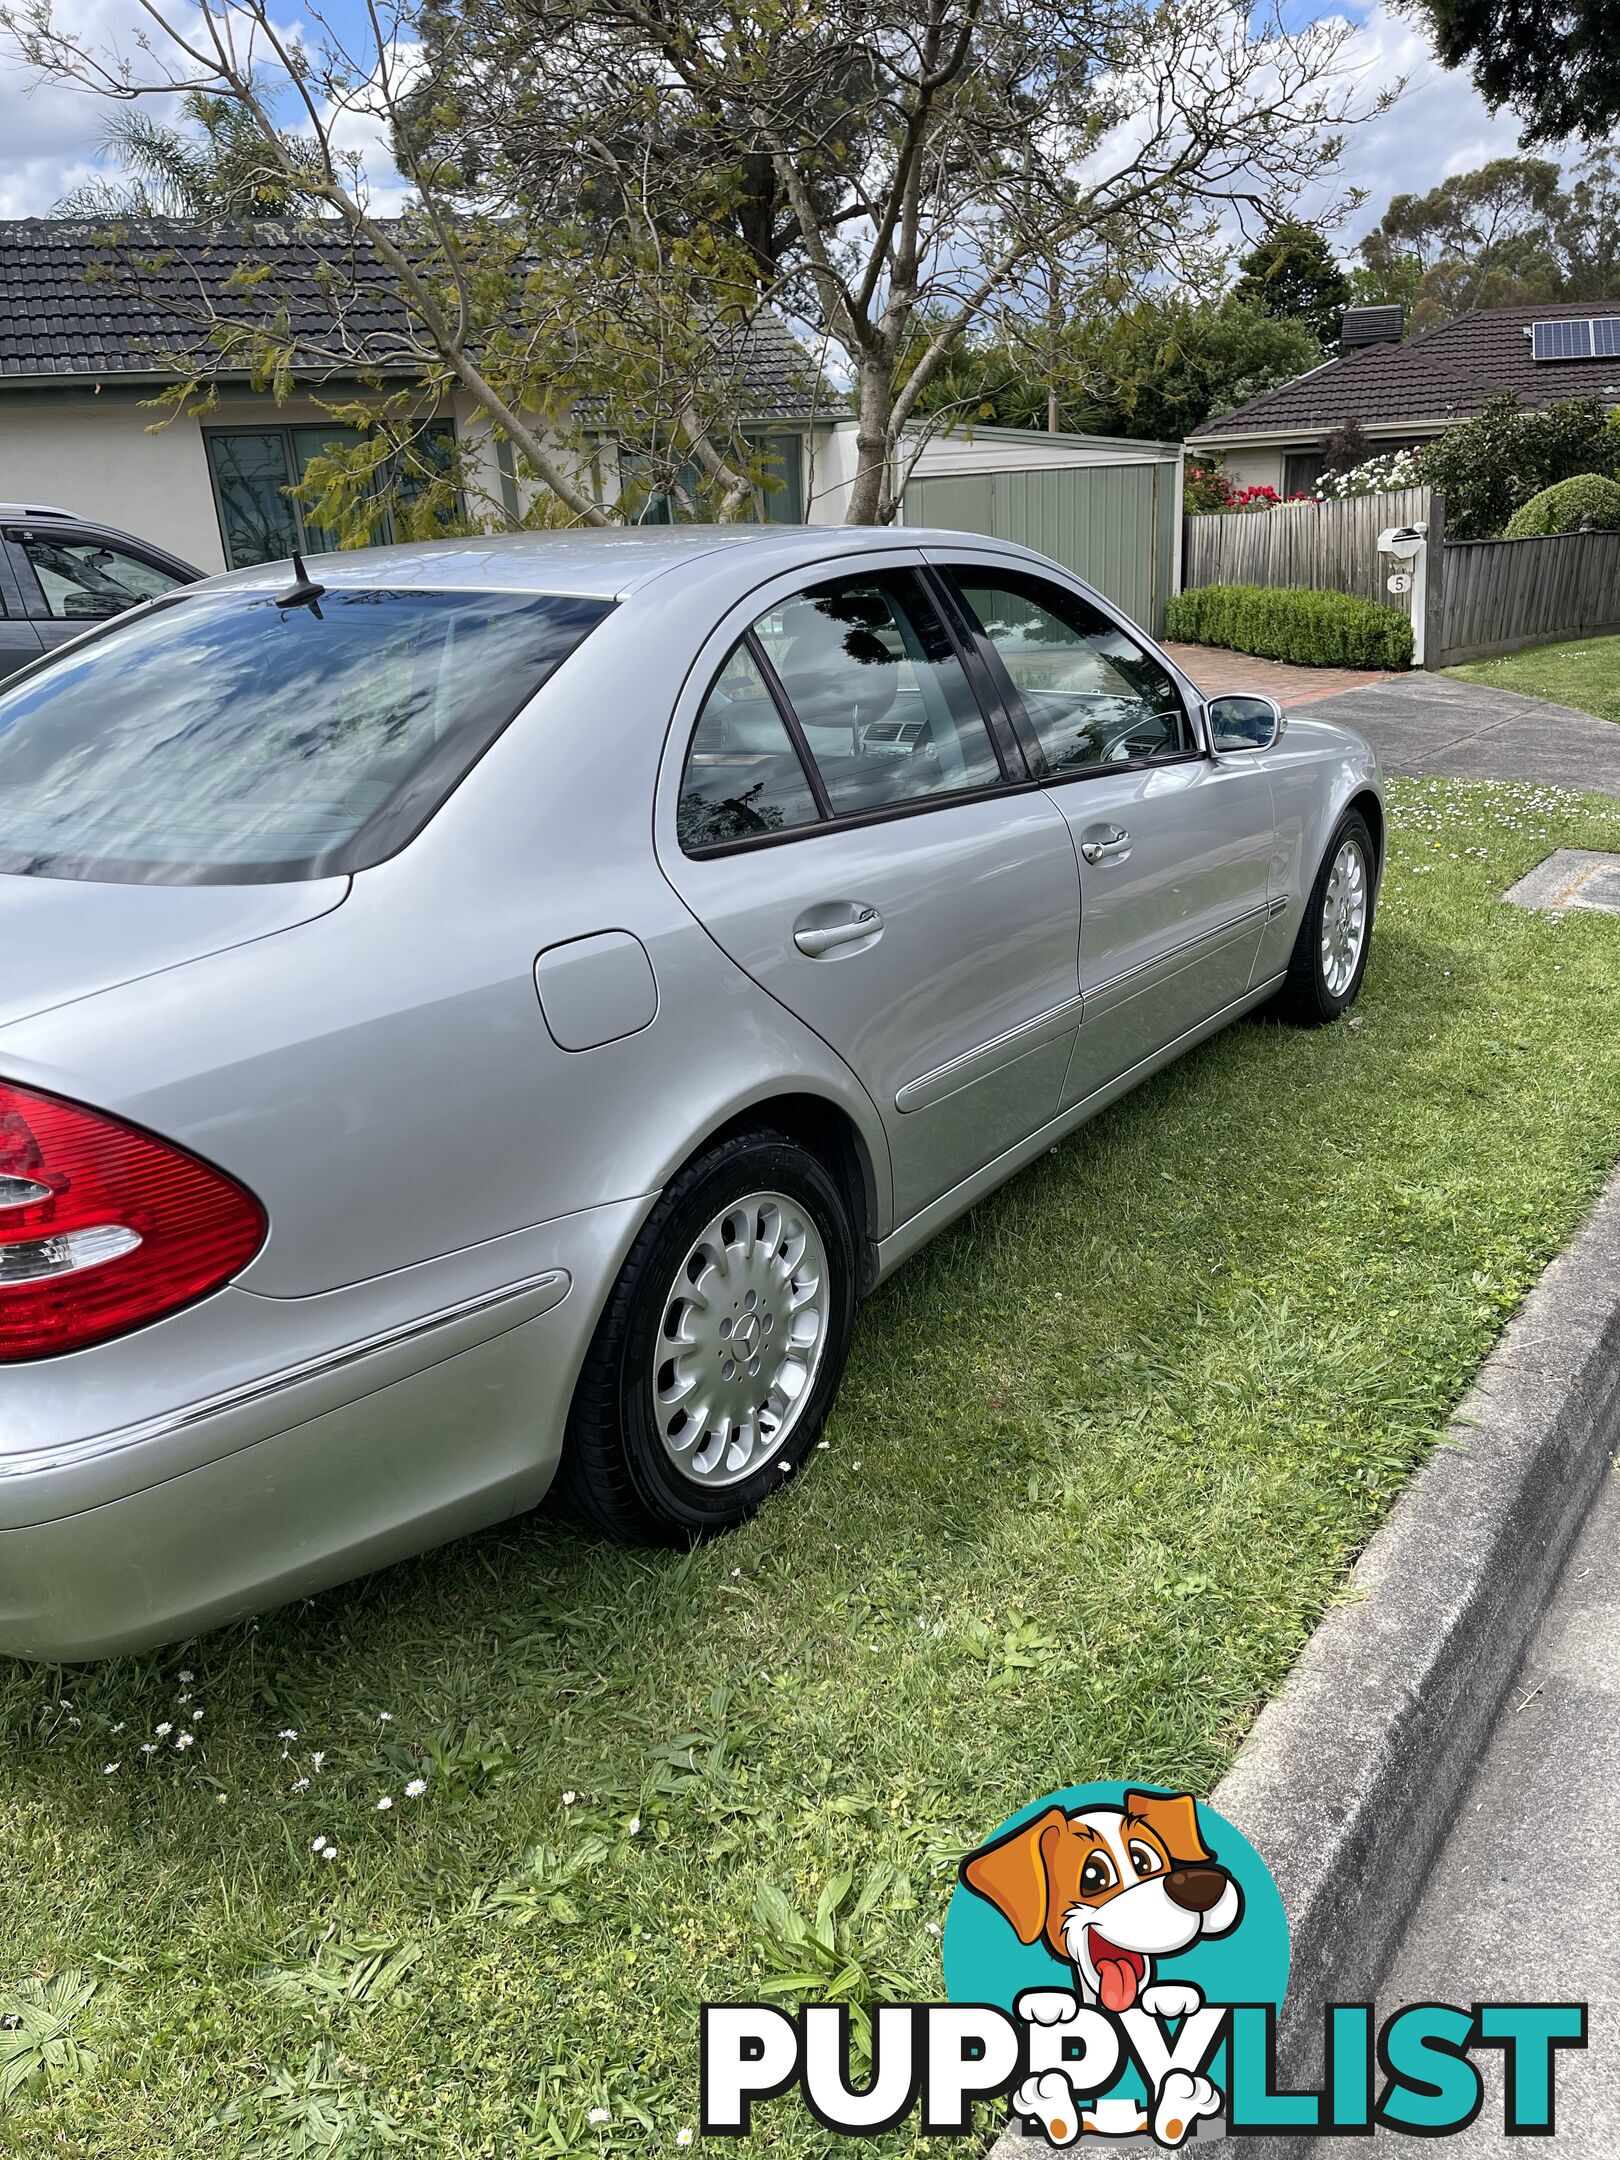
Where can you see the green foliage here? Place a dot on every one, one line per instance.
(1204, 488)
(1155, 369)
(1311, 629)
(314, 2111)
(1508, 233)
(1295, 274)
(1587, 500)
(41, 2040)
(1494, 463)
(214, 164)
(1555, 62)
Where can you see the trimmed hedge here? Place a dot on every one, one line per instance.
(1311, 629)
(1586, 499)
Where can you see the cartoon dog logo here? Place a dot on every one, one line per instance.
(1110, 1891)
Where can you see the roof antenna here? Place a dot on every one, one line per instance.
(303, 592)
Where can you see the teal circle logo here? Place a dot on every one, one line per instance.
(1125, 1897)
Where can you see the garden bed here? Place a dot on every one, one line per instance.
(1102, 1457)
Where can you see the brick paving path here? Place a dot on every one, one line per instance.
(1215, 670)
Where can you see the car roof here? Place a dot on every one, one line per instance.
(604, 562)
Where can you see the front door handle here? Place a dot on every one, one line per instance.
(818, 938)
(1107, 847)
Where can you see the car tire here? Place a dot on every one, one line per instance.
(1324, 977)
(702, 1275)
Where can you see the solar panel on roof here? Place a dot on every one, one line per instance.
(1606, 337)
(1566, 340)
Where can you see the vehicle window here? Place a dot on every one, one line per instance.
(227, 739)
(1093, 695)
(887, 711)
(87, 581)
(743, 775)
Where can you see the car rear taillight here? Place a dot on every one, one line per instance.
(103, 1227)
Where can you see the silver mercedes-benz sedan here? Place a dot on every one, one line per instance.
(476, 1016)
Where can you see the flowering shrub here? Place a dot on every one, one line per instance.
(1205, 488)
(1395, 469)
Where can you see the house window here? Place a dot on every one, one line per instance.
(779, 504)
(1301, 471)
(253, 469)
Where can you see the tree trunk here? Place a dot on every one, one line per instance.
(869, 498)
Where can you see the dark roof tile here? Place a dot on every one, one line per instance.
(63, 315)
(1447, 374)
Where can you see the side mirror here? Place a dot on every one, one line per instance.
(1242, 722)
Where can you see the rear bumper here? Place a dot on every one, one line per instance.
(320, 1472)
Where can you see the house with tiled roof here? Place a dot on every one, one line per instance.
(90, 337)
(1405, 393)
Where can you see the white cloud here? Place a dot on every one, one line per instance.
(49, 132)
(1440, 124)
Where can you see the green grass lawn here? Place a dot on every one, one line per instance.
(1585, 673)
(1102, 1457)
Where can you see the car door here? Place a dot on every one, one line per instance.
(1175, 845)
(73, 576)
(843, 825)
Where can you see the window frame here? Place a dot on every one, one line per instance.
(286, 430)
(31, 590)
(949, 566)
(1015, 776)
(748, 643)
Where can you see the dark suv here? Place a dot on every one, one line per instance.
(60, 573)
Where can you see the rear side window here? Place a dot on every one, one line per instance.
(743, 776)
(1092, 694)
(887, 711)
(230, 740)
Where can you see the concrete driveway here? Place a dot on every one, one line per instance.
(1422, 723)
(1437, 724)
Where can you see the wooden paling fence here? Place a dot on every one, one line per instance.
(1323, 547)
(1501, 595)
(1482, 597)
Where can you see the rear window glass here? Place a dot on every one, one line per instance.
(230, 740)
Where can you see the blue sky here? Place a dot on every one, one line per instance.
(48, 134)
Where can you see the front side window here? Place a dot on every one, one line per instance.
(886, 710)
(1093, 695)
(88, 581)
(743, 776)
(229, 740)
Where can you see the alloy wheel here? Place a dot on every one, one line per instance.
(741, 1339)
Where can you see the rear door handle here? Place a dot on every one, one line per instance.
(818, 938)
(1107, 847)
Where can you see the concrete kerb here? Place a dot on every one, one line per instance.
(1349, 1779)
